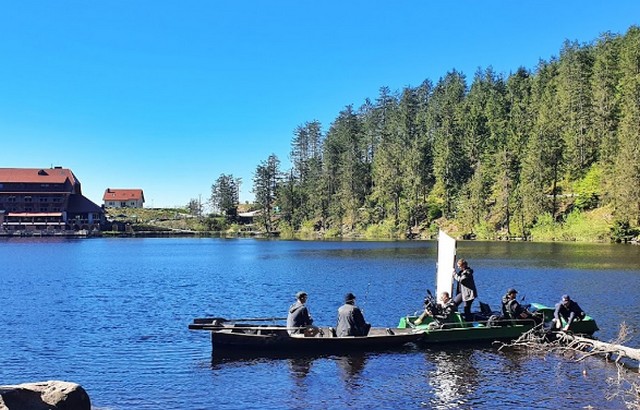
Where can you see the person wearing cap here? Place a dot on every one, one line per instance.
(568, 310)
(350, 319)
(299, 318)
(465, 289)
(511, 308)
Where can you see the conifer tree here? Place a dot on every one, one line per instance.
(627, 164)
(266, 181)
(225, 195)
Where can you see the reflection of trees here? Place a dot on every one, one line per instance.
(453, 377)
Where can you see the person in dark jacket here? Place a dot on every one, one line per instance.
(299, 318)
(350, 319)
(465, 289)
(569, 310)
(511, 308)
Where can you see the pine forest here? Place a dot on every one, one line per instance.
(549, 153)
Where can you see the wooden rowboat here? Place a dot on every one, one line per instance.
(268, 338)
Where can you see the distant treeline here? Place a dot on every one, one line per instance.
(499, 158)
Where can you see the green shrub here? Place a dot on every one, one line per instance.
(485, 231)
(286, 231)
(578, 227)
(544, 229)
(213, 223)
(621, 231)
(332, 233)
(384, 230)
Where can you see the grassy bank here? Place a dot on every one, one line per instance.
(589, 226)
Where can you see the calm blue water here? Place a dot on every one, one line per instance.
(112, 315)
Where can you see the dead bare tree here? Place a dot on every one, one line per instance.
(624, 387)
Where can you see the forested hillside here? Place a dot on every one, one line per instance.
(549, 153)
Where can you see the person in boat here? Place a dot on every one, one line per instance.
(350, 319)
(512, 309)
(569, 310)
(299, 318)
(465, 289)
(441, 312)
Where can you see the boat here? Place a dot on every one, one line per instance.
(234, 335)
(243, 335)
(491, 326)
(460, 331)
(487, 325)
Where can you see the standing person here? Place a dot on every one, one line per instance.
(350, 319)
(569, 310)
(465, 289)
(299, 317)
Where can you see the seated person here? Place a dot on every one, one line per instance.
(350, 319)
(512, 309)
(569, 310)
(299, 320)
(441, 312)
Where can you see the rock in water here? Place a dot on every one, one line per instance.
(50, 395)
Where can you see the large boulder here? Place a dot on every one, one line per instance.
(51, 395)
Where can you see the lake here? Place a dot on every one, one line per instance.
(112, 314)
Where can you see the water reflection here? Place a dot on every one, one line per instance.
(299, 363)
(454, 378)
(300, 367)
(351, 366)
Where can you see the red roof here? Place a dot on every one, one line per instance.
(111, 194)
(37, 175)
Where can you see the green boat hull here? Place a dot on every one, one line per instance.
(459, 331)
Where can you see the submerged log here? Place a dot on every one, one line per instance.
(546, 341)
(613, 351)
(626, 387)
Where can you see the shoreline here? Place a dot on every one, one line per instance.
(251, 234)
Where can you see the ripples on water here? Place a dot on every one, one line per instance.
(112, 315)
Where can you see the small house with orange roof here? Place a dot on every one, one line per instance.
(123, 198)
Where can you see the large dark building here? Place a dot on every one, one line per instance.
(39, 199)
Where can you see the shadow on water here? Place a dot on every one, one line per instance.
(348, 366)
(351, 363)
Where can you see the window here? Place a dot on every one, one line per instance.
(27, 198)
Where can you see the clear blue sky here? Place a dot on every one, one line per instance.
(167, 95)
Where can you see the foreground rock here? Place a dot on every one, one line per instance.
(51, 395)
